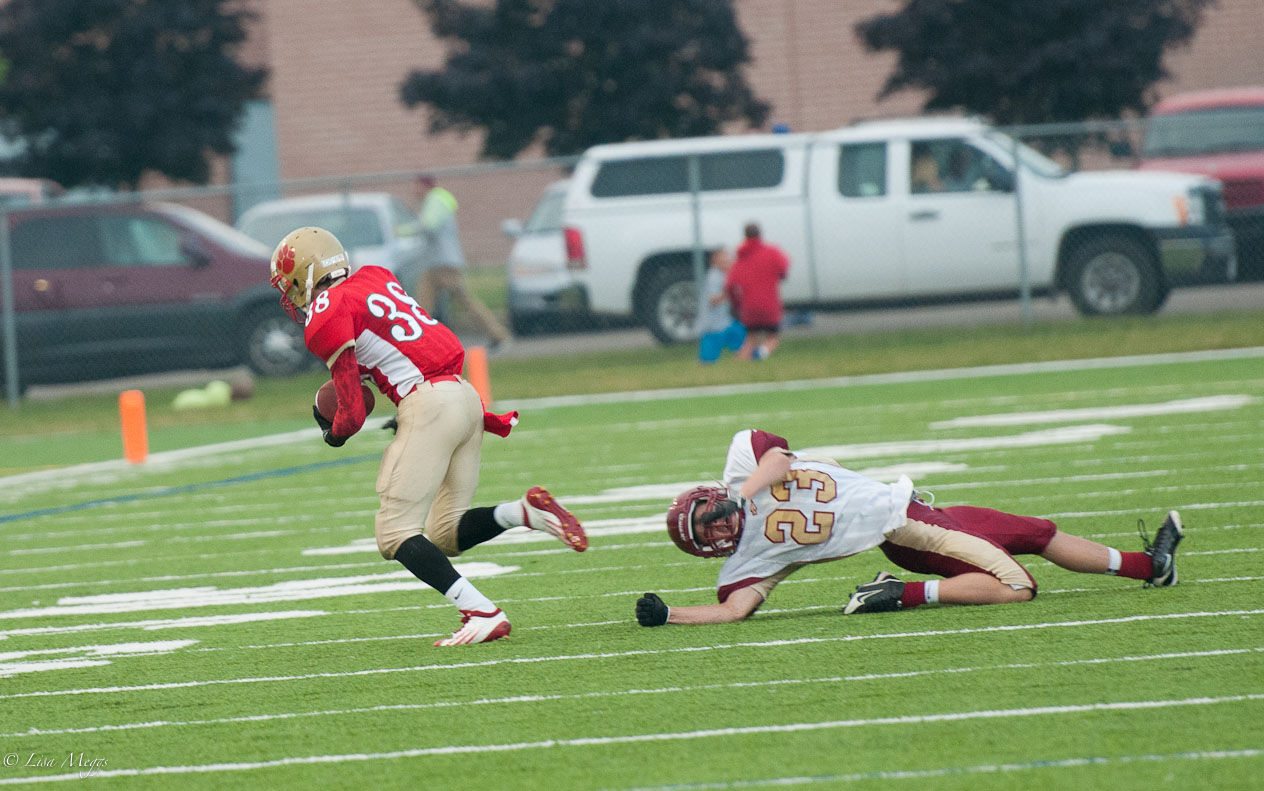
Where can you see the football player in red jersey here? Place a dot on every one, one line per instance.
(778, 512)
(364, 325)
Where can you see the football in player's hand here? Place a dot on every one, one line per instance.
(327, 399)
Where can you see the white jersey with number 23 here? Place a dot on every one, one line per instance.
(823, 512)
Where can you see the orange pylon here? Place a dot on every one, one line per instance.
(476, 373)
(135, 435)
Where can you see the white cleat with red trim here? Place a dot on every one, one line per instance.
(541, 512)
(478, 627)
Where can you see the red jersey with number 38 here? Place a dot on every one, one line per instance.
(395, 342)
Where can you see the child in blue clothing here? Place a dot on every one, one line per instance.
(719, 329)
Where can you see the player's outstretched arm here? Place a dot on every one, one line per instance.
(653, 611)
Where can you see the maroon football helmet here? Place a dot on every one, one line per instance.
(712, 540)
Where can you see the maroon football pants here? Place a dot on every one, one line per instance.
(963, 539)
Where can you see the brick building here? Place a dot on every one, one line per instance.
(336, 68)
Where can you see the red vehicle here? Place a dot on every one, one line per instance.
(109, 290)
(1218, 133)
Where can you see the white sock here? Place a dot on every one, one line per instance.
(1114, 562)
(467, 597)
(931, 590)
(509, 514)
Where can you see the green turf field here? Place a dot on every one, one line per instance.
(219, 617)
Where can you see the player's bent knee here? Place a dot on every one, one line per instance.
(1020, 595)
(446, 542)
(389, 545)
(443, 530)
(390, 539)
(395, 522)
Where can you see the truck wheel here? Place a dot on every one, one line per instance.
(670, 305)
(1112, 276)
(272, 344)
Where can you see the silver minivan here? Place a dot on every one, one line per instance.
(377, 228)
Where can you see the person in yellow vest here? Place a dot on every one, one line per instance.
(443, 261)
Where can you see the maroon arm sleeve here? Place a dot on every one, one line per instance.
(763, 441)
(346, 375)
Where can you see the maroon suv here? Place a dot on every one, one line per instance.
(109, 290)
(1220, 134)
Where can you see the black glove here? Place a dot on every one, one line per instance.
(326, 428)
(722, 511)
(324, 424)
(391, 425)
(651, 611)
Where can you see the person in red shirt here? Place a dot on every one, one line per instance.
(754, 287)
(366, 326)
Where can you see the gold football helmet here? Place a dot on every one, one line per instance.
(305, 259)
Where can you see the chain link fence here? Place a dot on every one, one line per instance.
(896, 213)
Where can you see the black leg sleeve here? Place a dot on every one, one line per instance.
(427, 563)
(476, 526)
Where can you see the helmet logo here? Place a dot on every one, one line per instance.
(286, 259)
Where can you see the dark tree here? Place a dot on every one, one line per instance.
(101, 91)
(1033, 61)
(573, 73)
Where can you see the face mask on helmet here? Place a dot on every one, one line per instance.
(713, 540)
(305, 259)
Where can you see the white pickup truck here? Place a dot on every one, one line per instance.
(886, 211)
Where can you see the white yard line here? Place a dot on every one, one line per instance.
(108, 469)
(1227, 652)
(635, 495)
(172, 577)
(1130, 619)
(624, 594)
(953, 771)
(666, 736)
(596, 528)
(77, 548)
(139, 602)
(1061, 480)
(1066, 435)
(40, 660)
(1157, 509)
(211, 596)
(1177, 407)
(158, 624)
(937, 375)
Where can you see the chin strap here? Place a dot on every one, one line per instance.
(281, 284)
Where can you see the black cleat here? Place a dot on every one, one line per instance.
(881, 595)
(1163, 551)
